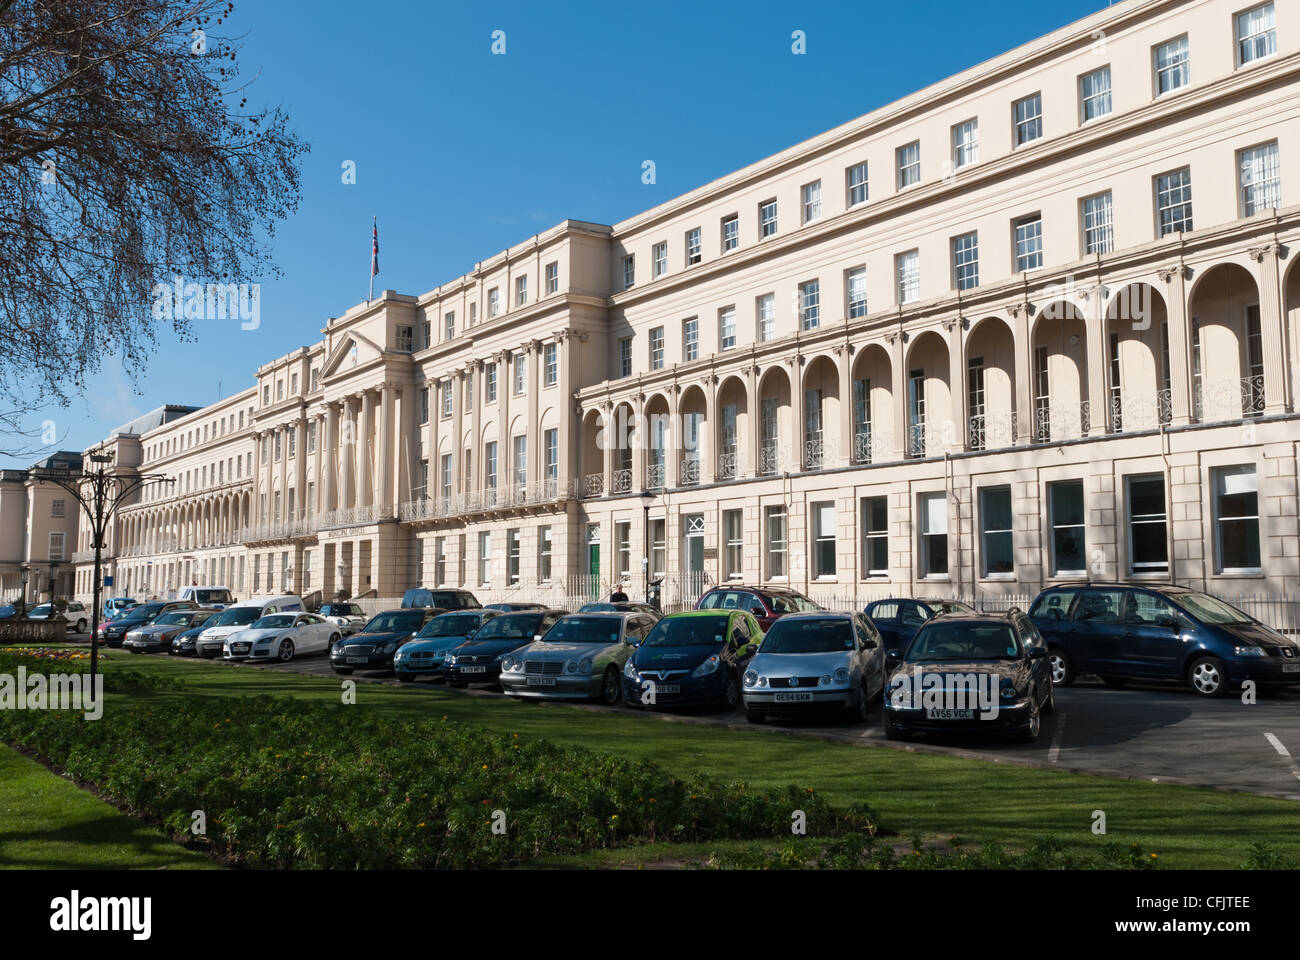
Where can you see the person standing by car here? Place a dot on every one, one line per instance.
(618, 596)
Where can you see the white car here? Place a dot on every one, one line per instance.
(281, 636)
(349, 616)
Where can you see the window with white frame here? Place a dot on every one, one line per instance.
(810, 304)
(1028, 119)
(1094, 94)
(623, 549)
(965, 144)
(57, 543)
(823, 539)
(658, 547)
(625, 357)
(657, 348)
(766, 219)
(966, 261)
(512, 556)
(445, 389)
(551, 363)
(629, 270)
(727, 328)
(691, 339)
(520, 461)
(467, 400)
(521, 373)
(909, 164)
(1173, 65)
(855, 291)
(1261, 179)
(734, 555)
(544, 554)
(775, 521)
(494, 302)
(552, 278)
(484, 559)
(1256, 34)
(444, 477)
(730, 232)
(933, 509)
(1236, 520)
(473, 314)
(997, 556)
(1065, 517)
(659, 258)
(812, 201)
(490, 383)
(58, 508)
(1098, 224)
(521, 290)
(449, 325)
(1029, 243)
(765, 311)
(856, 183)
(1174, 202)
(490, 464)
(439, 561)
(907, 267)
(875, 536)
(1148, 524)
(311, 437)
(694, 246)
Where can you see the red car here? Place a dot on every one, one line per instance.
(767, 604)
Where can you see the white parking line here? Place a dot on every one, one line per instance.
(1281, 748)
(1054, 751)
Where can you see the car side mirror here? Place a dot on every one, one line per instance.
(1037, 653)
(894, 656)
(869, 644)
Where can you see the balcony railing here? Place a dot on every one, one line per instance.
(1229, 399)
(990, 431)
(1060, 421)
(594, 485)
(690, 472)
(280, 530)
(814, 452)
(728, 462)
(769, 458)
(916, 439)
(654, 476)
(622, 482)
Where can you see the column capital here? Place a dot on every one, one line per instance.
(1169, 272)
(1263, 251)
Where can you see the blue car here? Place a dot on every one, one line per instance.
(898, 618)
(696, 657)
(478, 660)
(425, 654)
(1123, 631)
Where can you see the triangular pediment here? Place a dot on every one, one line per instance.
(354, 350)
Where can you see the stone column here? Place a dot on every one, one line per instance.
(1022, 338)
(957, 397)
(1180, 340)
(1095, 322)
(366, 449)
(330, 460)
(898, 391)
(1276, 388)
(384, 454)
(843, 450)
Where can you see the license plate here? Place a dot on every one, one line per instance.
(540, 682)
(356, 659)
(793, 698)
(473, 669)
(668, 687)
(1291, 668)
(944, 713)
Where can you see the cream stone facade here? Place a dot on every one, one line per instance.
(1039, 321)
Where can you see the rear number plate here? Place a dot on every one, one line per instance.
(793, 698)
(541, 682)
(942, 713)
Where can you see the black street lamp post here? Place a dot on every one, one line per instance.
(646, 498)
(100, 493)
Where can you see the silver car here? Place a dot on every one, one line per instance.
(816, 660)
(580, 658)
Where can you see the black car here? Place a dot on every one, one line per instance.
(444, 600)
(970, 673)
(159, 636)
(374, 646)
(1160, 632)
(113, 632)
(186, 644)
(691, 658)
(898, 618)
(478, 660)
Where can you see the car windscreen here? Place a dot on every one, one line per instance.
(212, 596)
(964, 641)
(236, 616)
(274, 621)
(1208, 609)
(600, 630)
(450, 626)
(688, 632)
(510, 627)
(171, 619)
(454, 601)
(149, 609)
(814, 635)
(394, 621)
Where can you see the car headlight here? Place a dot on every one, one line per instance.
(629, 670)
(449, 660)
(707, 667)
(842, 675)
(440, 654)
(570, 667)
(584, 665)
(1251, 651)
(751, 678)
(507, 663)
(390, 647)
(1008, 690)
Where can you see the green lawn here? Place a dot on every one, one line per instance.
(45, 821)
(914, 793)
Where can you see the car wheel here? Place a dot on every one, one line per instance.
(1208, 677)
(286, 651)
(1030, 733)
(611, 688)
(1049, 705)
(81, 626)
(861, 714)
(754, 716)
(1062, 668)
(731, 692)
(330, 646)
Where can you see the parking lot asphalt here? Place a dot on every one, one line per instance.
(1136, 732)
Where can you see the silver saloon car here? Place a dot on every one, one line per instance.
(816, 660)
(580, 658)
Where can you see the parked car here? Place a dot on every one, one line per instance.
(158, 637)
(8, 611)
(115, 605)
(696, 657)
(581, 657)
(348, 617)
(424, 656)
(215, 598)
(621, 606)
(74, 612)
(515, 607)
(995, 676)
(185, 643)
(898, 618)
(478, 660)
(281, 636)
(374, 646)
(114, 631)
(1122, 631)
(211, 642)
(816, 660)
(765, 604)
(442, 599)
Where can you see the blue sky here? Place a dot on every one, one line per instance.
(461, 153)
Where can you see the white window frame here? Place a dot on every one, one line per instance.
(857, 184)
(811, 206)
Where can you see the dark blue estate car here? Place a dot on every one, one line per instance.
(1122, 631)
(478, 659)
(898, 618)
(374, 646)
(696, 657)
